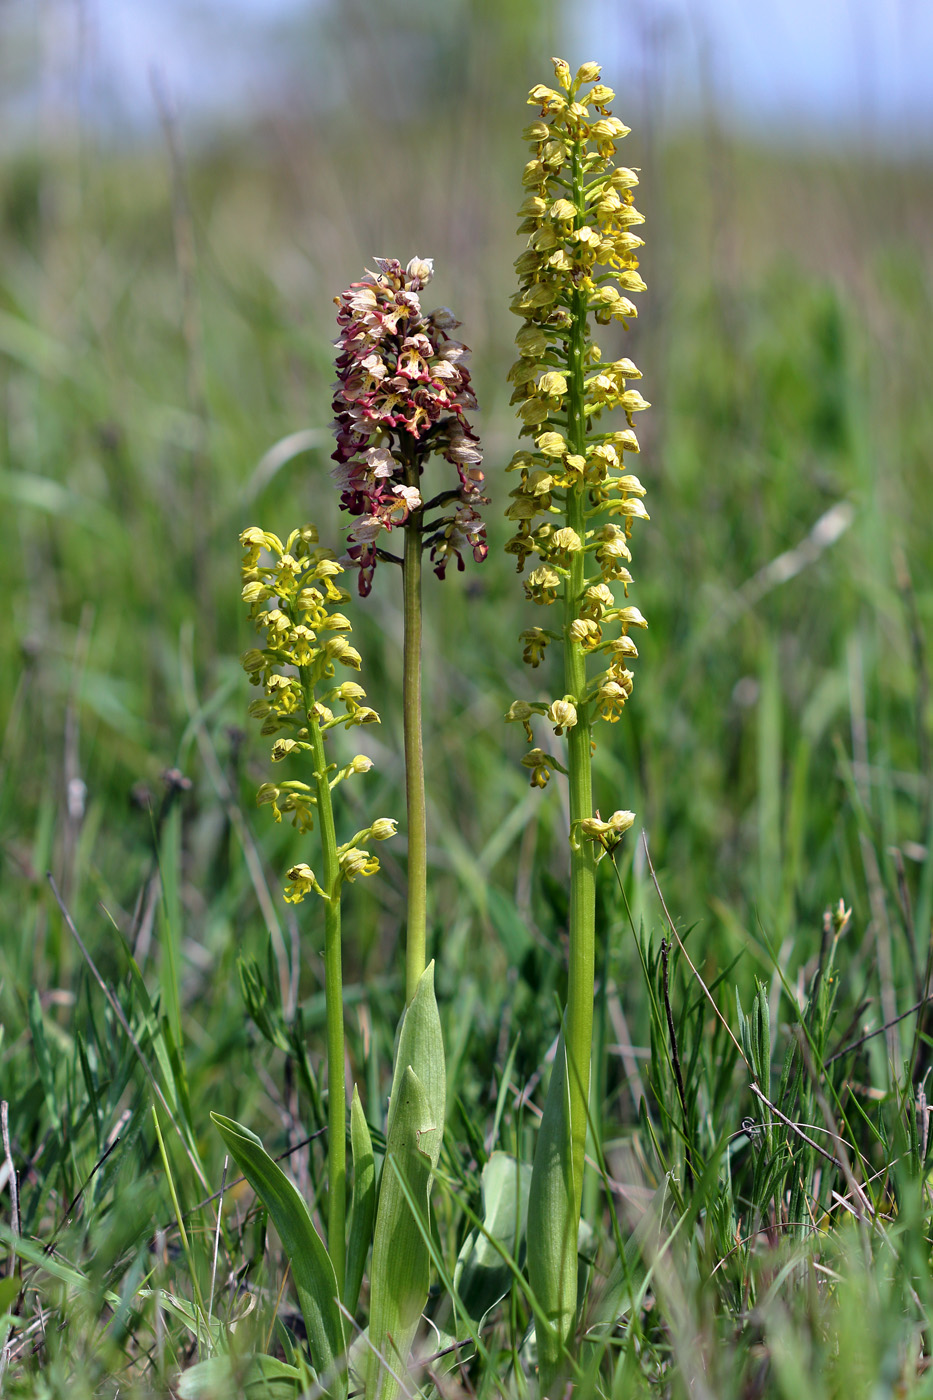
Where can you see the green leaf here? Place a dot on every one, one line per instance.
(193, 1319)
(400, 1271)
(482, 1277)
(265, 1378)
(401, 1265)
(362, 1203)
(421, 1045)
(552, 1230)
(311, 1266)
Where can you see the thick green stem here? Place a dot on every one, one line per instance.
(415, 945)
(333, 989)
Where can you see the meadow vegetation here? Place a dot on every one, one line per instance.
(757, 1214)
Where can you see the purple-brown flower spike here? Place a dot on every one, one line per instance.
(402, 391)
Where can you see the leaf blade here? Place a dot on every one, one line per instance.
(311, 1265)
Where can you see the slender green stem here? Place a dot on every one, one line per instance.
(578, 1028)
(415, 945)
(333, 989)
(557, 1267)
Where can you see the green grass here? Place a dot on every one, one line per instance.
(776, 750)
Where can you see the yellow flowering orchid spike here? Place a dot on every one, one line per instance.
(578, 271)
(290, 589)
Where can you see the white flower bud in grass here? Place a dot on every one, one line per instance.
(383, 828)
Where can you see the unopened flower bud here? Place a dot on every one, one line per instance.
(563, 715)
(421, 269)
(562, 72)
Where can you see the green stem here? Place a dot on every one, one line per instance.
(333, 996)
(578, 1026)
(557, 1180)
(415, 946)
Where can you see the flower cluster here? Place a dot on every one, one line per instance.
(575, 503)
(291, 600)
(402, 389)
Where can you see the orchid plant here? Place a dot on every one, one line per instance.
(403, 389)
(573, 510)
(402, 395)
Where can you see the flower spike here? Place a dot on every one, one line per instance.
(402, 392)
(579, 268)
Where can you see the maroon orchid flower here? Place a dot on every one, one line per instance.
(402, 392)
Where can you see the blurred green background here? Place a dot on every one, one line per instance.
(171, 240)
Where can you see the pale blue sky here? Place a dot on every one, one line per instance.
(817, 68)
(821, 65)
